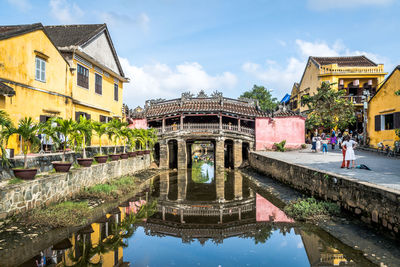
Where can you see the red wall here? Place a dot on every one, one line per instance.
(275, 130)
(138, 124)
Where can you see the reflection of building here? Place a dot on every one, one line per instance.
(384, 111)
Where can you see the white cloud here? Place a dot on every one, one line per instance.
(65, 12)
(162, 81)
(320, 5)
(118, 19)
(281, 77)
(23, 5)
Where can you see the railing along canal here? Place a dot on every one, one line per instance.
(204, 127)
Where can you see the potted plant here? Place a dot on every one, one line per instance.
(27, 130)
(113, 132)
(100, 130)
(125, 133)
(132, 140)
(65, 128)
(83, 129)
(142, 141)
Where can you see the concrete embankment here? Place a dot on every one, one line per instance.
(54, 187)
(374, 204)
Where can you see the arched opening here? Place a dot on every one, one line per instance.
(228, 154)
(173, 154)
(245, 151)
(157, 154)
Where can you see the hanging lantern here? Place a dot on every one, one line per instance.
(369, 82)
(356, 82)
(341, 82)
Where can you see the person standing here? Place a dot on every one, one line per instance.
(318, 144)
(343, 147)
(350, 156)
(314, 144)
(324, 145)
(333, 141)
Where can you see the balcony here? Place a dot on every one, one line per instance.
(335, 69)
(205, 127)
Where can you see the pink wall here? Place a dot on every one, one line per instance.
(267, 212)
(275, 130)
(138, 124)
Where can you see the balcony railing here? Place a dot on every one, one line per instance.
(205, 127)
(334, 69)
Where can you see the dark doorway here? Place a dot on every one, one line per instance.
(173, 154)
(228, 154)
(157, 153)
(245, 151)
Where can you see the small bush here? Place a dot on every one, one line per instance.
(303, 146)
(311, 209)
(280, 146)
(102, 189)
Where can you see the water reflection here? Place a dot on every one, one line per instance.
(223, 222)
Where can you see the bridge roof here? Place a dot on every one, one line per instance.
(202, 103)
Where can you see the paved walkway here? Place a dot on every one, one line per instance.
(384, 171)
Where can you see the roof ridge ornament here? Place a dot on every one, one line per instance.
(202, 94)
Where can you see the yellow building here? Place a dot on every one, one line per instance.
(353, 74)
(64, 71)
(384, 111)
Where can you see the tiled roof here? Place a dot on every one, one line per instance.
(67, 35)
(9, 31)
(6, 90)
(203, 105)
(354, 61)
(282, 112)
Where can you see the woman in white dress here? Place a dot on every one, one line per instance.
(350, 156)
(318, 144)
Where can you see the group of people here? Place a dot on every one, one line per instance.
(346, 142)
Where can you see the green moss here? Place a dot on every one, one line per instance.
(311, 209)
(102, 189)
(61, 215)
(15, 181)
(110, 190)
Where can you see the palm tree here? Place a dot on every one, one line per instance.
(48, 128)
(27, 130)
(135, 138)
(6, 129)
(125, 133)
(66, 128)
(100, 129)
(114, 132)
(83, 129)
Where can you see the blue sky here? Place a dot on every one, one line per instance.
(170, 46)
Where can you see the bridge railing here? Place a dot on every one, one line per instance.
(204, 127)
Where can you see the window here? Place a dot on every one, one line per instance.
(387, 122)
(83, 114)
(98, 84)
(104, 119)
(115, 92)
(40, 69)
(83, 76)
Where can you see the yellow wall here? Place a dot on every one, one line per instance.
(309, 83)
(17, 63)
(57, 95)
(384, 102)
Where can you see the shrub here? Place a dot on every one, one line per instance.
(280, 146)
(303, 146)
(311, 209)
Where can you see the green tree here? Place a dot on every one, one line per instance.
(100, 129)
(264, 97)
(6, 128)
(328, 108)
(66, 129)
(27, 130)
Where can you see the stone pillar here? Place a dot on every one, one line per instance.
(239, 124)
(181, 121)
(182, 184)
(182, 157)
(220, 121)
(220, 184)
(163, 125)
(237, 153)
(219, 153)
(238, 185)
(164, 154)
(164, 185)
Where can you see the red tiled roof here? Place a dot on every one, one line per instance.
(353, 61)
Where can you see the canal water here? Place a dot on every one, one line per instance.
(196, 217)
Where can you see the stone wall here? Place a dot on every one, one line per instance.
(375, 205)
(43, 161)
(54, 187)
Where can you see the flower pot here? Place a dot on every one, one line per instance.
(85, 162)
(115, 156)
(124, 156)
(140, 152)
(62, 166)
(25, 174)
(132, 154)
(101, 159)
(146, 152)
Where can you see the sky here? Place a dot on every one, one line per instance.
(167, 47)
